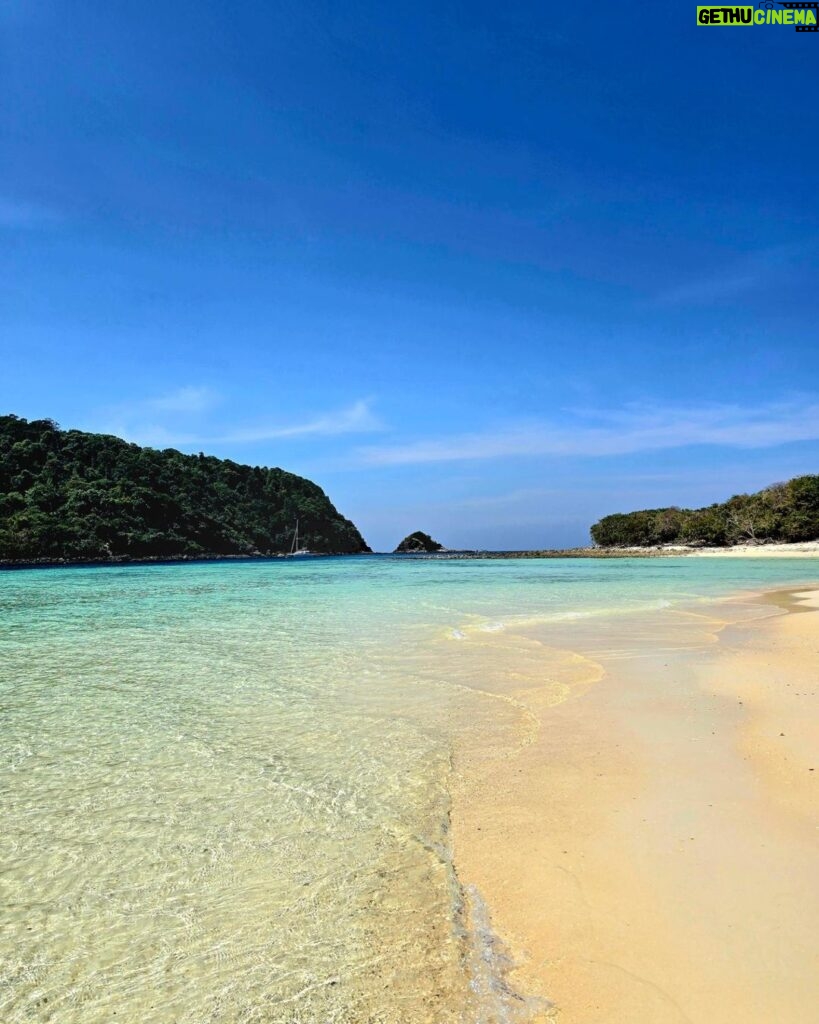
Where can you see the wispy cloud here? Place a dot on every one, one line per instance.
(743, 274)
(523, 495)
(179, 418)
(632, 429)
(187, 399)
(355, 419)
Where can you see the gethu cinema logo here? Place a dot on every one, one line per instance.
(801, 15)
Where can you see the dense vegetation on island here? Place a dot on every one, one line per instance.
(66, 494)
(784, 512)
(418, 542)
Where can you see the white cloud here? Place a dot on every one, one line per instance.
(357, 418)
(186, 399)
(167, 421)
(632, 429)
(524, 495)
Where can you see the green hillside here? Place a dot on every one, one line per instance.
(75, 495)
(782, 512)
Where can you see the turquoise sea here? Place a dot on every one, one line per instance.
(226, 786)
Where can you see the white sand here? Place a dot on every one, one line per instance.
(651, 856)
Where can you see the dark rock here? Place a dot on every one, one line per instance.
(418, 542)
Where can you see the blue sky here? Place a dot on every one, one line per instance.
(486, 270)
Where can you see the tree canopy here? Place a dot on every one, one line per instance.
(786, 512)
(67, 494)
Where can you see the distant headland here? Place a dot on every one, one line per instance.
(785, 513)
(71, 496)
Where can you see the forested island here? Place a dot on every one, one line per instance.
(785, 512)
(71, 495)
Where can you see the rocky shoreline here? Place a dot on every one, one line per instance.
(796, 550)
(809, 549)
(56, 563)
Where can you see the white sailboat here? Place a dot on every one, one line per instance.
(294, 547)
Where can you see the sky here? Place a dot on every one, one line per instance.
(486, 270)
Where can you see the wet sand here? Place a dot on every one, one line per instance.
(649, 853)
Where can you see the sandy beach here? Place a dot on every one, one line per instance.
(649, 853)
(808, 549)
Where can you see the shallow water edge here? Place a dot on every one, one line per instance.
(227, 788)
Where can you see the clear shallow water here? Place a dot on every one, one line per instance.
(225, 786)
